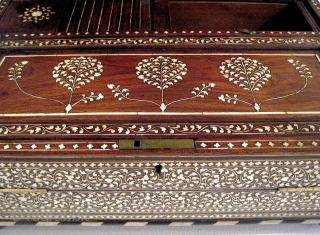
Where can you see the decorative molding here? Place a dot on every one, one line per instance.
(133, 129)
(36, 14)
(135, 41)
(175, 175)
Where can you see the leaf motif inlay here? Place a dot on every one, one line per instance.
(161, 72)
(251, 75)
(72, 74)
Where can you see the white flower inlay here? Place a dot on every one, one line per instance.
(258, 144)
(203, 145)
(245, 144)
(231, 145)
(286, 144)
(90, 146)
(217, 145)
(271, 144)
(33, 146)
(61, 146)
(75, 146)
(104, 146)
(19, 146)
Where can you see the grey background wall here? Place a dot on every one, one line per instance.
(281, 229)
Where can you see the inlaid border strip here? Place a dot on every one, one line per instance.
(191, 223)
(159, 113)
(163, 41)
(257, 144)
(162, 33)
(163, 129)
(58, 146)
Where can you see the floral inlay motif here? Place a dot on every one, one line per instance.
(161, 72)
(185, 189)
(36, 14)
(251, 76)
(175, 175)
(161, 129)
(72, 74)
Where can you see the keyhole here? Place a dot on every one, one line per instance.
(136, 143)
(158, 168)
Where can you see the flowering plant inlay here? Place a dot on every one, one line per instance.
(72, 74)
(251, 76)
(161, 72)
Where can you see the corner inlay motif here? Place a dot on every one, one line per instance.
(36, 14)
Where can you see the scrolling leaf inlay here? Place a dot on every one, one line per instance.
(187, 189)
(159, 129)
(186, 175)
(159, 41)
(163, 204)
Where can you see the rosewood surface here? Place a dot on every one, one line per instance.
(78, 77)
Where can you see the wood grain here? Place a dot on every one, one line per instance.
(238, 79)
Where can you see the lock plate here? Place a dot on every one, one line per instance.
(138, 144)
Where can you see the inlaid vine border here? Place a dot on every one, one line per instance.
(160, 129)
(183, 40)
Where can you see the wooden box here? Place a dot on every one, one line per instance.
(159, 110)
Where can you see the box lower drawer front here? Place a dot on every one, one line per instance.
(160, 190)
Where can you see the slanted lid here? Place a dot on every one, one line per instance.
(161, 87)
